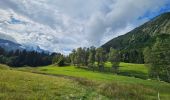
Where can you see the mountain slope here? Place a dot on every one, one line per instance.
(9, 45)
(142, 36)
(12, 46)
(7, 37)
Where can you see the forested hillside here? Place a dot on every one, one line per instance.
(136, 40)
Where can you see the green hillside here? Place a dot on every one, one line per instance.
(142, 36)
(133, 43)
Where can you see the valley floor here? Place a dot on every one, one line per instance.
(52, 82)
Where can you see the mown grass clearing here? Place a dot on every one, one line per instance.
(154, 85)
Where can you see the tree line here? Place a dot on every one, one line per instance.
(91, 58)
(156, 58)
(22, 58)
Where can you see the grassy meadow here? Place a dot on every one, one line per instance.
(110, 85)
(130, 69)
(72, 83)
(17, 85)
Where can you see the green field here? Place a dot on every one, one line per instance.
(133, 70)
(71, 83)
(17, 85)
(108, 78)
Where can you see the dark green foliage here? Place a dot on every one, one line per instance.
(146, 53)
(158, 58)
(114, 58)
(58, 59)
(82, 56)
(72, 57)
(91, 58)
(132, 56)
(61, 60)
(21, 58)
(100, 58)
(86, 52)
(94, 59)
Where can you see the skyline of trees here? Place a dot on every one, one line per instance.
(20, 58)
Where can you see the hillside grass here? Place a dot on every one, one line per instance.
(162, 87)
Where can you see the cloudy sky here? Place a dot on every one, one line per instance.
(61, 25)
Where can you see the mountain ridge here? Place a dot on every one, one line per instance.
(9, 45)
(13, 46)
(144, 34)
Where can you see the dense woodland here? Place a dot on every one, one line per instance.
(20, 58)
(157, 58)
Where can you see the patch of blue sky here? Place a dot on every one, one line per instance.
(15, 21)
(150, 15)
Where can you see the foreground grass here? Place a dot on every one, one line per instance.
(17, 85)
(131, 82)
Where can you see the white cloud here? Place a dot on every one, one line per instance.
(59, 25)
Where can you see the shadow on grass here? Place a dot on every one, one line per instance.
(132, 73)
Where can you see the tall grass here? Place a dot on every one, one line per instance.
(16, 85)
